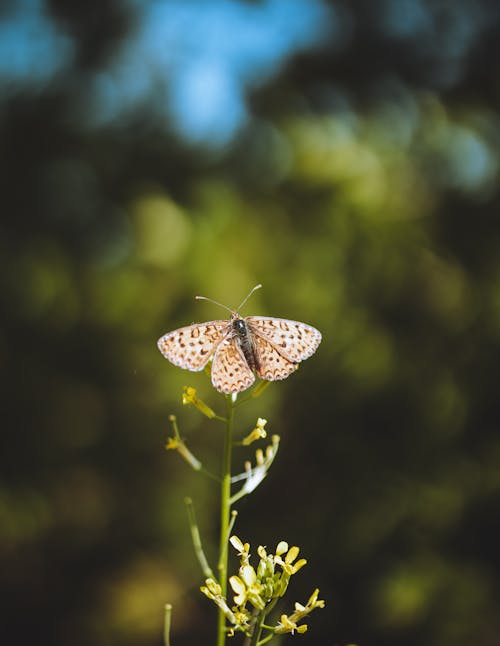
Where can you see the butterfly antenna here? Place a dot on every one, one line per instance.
(204, 298)
(248, 296)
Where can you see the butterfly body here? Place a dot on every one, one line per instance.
(243, 337)
(239, 347)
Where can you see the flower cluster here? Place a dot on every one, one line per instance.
(260, 588)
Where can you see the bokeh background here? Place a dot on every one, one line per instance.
(346, 155)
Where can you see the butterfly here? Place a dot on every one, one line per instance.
(239, 347)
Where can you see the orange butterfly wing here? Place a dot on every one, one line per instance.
(191, 347)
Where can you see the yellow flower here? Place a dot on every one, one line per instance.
(175, 443)
(172, 443)
(262, 586)
(314, 602)
(281, 548)
(290, 623)
(240, 589)
(287, 625)
(243, 549)
(189, 396)
(291, 554)
(258, 432)
(247, 588)
(213, 591)
(211, 588)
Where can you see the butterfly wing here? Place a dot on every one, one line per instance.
(230, 370)
(293, 340)
(271, 365)
(191, 347)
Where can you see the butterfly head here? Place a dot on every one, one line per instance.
(238, 324)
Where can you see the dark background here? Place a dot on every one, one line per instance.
(355, 175)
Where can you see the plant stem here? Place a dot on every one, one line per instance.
(257, 629)
(225, 509)
(166, 629)
(195, 537)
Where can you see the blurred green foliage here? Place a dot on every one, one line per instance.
(373, 218)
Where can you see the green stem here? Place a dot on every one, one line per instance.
(257, 629)
(266, 639)
(195, 537)
(225, 509)
(166, 625)
(258, 626)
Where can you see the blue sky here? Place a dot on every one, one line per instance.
(195, 59)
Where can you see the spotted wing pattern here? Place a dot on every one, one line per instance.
(191, 347)
(230, 370)
(271, 364)
(293, 340)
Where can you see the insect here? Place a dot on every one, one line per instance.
(239, 347)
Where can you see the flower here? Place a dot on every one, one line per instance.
(172, 443)
(258, 432)
(189, 396)
(175, 443)
(247, 588)
(260, 587)
(243, 549)
(286, 625)
(289, 623)
(291, 555)
(213, 591)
